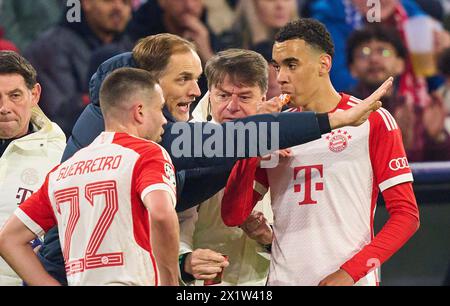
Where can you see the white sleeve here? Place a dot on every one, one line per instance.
(188, 220)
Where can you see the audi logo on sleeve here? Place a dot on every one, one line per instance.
(398, 164)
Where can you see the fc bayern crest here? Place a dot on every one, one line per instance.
(338, 141)
(30, 176)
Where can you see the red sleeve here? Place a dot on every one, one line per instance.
(387, 154)
(37, 212)
(154, 171)
(402, 224)
(246, 185)
(393, 176)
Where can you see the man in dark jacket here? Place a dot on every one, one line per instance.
(198, 178)
(61, 55)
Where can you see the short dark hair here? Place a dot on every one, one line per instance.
(13, 63)
(374, 32)
(444, 62)
(313, 32)
(153, 53)
(122, 84)
(242, 66)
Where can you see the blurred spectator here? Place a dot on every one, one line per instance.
(444, 91)
(265, 49)
(444, 68)
(375, 53)
(61, 56)
(136, 4)
(432, 8)
(23, 20)
(256, 24)
(185, 18)
(343, 16)
(258, 21)
(6, 44)
(99, 56)
(221, 15)
(446, 6)
(30, 144)
(232, 3)
(305, 8)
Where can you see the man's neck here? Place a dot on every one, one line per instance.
(323, 100)
(117, 127)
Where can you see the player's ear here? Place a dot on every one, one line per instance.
(138, 113)
(36, 94)
(325, 64)
(264, 97)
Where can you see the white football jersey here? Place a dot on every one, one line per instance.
(96, 199)
(324, 197)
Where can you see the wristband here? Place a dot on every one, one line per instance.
(324, 123)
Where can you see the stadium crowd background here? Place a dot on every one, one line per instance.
(66, 54)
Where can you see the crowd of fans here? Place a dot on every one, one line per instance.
(65, 54)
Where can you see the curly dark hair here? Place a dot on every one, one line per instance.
(311, 31)
(375, 32)
(444, 62)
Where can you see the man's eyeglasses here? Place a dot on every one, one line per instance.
(366, 52)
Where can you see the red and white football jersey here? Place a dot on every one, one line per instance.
(324, 197)
(96, 199)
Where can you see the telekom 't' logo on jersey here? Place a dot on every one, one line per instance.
(308, 173)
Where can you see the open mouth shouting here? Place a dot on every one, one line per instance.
(183, 107)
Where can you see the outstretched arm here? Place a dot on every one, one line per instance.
(190, 143)
(360, 113)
